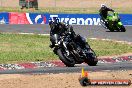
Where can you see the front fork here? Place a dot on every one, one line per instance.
(64, 44)
(119, 24)
(56, 38)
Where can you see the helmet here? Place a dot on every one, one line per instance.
(103, 5)
(62, 25)
(55, 20)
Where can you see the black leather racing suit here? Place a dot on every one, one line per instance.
(104, 12)
(59, 29)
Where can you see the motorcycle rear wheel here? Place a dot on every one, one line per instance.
(92, 58)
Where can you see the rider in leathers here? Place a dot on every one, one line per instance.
(59, 29)
(104, 12)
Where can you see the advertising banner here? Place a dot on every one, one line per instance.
(4, 18)
(27, 18)
(88, 19)
(126, 19)
(18, 18)
(36, 18)
(43, 18)
(78, 19)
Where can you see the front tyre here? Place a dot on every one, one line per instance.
(66, 60)
(122, 28)
(91, 58)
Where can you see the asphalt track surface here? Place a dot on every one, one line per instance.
(77, 68)
(85, 31)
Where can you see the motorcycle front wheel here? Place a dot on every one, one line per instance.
(65, 59)
(122, 28)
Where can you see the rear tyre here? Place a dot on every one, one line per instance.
(111, 30)
(92, 58)
(66, 60)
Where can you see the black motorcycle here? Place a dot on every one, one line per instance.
(75, 51)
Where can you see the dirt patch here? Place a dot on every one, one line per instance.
(69, 80)
(73, 3)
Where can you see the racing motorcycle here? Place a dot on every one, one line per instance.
(114, 23)
(75, 51)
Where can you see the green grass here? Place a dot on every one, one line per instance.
(23, 48)
(64, 10)
(104, 48)
(14, 47)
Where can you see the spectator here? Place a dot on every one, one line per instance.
(32, 4)
(22, 3)
(36, 4)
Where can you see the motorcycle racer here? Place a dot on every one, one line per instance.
(103, 12)
(59, 29)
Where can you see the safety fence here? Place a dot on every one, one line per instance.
(72, 19)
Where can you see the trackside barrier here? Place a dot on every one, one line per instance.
(4, 18)
(74, 19)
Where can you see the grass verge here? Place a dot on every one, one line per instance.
(24, 48)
